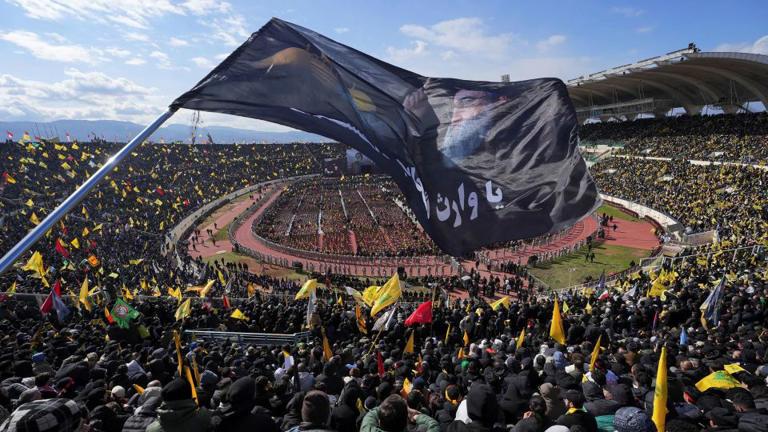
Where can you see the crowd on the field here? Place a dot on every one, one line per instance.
(730, 137)
(345, 216)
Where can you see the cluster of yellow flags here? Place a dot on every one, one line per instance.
(387, 295)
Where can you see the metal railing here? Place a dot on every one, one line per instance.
(259, 339)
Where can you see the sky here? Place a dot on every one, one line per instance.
(128, 59)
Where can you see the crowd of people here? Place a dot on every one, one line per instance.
(345, 216)
(729, 137)
(112, 350)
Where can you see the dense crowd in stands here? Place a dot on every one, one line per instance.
(730, 199)
(735, 137)
(337, 215)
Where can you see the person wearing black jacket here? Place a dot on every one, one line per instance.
(576, 414)
(240, 413)
(143, 416)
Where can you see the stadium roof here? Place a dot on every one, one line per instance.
(687, 78)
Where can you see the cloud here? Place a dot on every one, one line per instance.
(645, 29)
(230, 30)
(205, 7)
(79, 95)
(163, 62)
(117, 52)
(552, 41)
(202, 62)
(627, 11)
(468, 35)
(134, 36)
(341, 30)
(40, 48)
(760, 46)
(176, 42)
(418, 48)
(131, 13)
(136, 61)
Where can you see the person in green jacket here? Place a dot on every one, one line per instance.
(179, 412)
(393, 415)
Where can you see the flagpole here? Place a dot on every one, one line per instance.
(66, 206)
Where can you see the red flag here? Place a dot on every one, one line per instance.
(225, 300)
(108, 316)
(160, 191)
(47, 305)
(422, 314)
(61, 249)
(57, 287)
(380, 363)
(419, 365)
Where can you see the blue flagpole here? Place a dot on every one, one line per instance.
(66, 206)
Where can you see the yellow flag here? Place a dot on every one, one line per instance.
(12, 290)
(370, 294)
(306, 289)
(466, 338)
(566, 309)
(660, 393)
(361, 326)
(409, 344)
(388, 295)
(66, 166)
(732, 368)
(407, 386)
(251, 289)
(588, 308)
(460, 355)
(136, 261)
(556, 330)
(83, 298)
(175, 293)
(9, 179)
(720, 379)
(238, 315)
(520, 339)
(207, 288)
(34, 219)
(447, 333)
(35, 264)
(139, 389)
(29, 203)
(191, 382)
(339, 301)
(184, 310)
(327, 353)
(126, 293)
(595, 354)
(75, 243)
(86, 232)
(504, 301)
(221, 277)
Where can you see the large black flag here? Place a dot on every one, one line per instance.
(479, 162)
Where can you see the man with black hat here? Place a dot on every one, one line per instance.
(179, 412)
(238, 413)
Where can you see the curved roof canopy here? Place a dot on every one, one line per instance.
(686, 78)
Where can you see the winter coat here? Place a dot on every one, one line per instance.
(181, 416)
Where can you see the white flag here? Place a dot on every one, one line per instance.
(311, 307)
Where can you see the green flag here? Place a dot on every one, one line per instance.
(123, 313)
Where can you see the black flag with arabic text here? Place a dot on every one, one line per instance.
(479, 163)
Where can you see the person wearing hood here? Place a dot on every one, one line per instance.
(238, 413)
(393, 415)
(178, 412)
(555, 405)
(344, 415)
(482, 411)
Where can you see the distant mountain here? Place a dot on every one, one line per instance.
(112, 130)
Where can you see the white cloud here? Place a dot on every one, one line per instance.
(205, 7)
(132, 13)
(760, 46)
(221, 56)
(40, 48)
(230, 30)
(628, 11)
(136, 61)
(202, 62)
(117, 52)
(341, 30)
(163, 61)
(552, 41)
(176, 42)
(467, 35)
(644, 29)
(134, 36)
(418, 48)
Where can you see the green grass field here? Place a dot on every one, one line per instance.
(616, 213)
(222, 233)
(572, 269)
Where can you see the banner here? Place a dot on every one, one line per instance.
(478, 162)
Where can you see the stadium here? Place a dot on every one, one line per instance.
(299, 286)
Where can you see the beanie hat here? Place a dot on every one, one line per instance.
(316, 408)
(632, 419)
(177, 390)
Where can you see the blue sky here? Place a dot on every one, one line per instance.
(127, 59)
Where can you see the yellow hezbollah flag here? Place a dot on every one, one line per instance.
(238, 315)
(83, 298)
(184, 310)
(566, 309)
(34, 219)
(719, 379)
(207, 288)
(370, 294)
(388, 295)
(520, 339)
(504, 301)
(35, 264)
(660, 393)
(306, 289)
(556, 330)
(466, 338)
(409, 345)
(175, 293)
(732, 368)
(75, 243)
(595, 354)
(327, 353)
